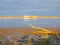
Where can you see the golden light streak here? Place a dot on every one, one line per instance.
(28, 17)
(44, 31)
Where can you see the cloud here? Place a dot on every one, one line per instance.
(29, 6)
(32, 10)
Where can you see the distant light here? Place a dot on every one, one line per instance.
(26, 17)
(29, 17)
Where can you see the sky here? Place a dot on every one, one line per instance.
(29, 7)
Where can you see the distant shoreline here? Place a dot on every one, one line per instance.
(28, 17)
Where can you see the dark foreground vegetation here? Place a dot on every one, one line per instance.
(31, 40)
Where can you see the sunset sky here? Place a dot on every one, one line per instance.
(29, 7)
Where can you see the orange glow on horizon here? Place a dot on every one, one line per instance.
(28, 17)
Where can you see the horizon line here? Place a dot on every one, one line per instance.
(29, 17)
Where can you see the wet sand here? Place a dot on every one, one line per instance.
(25, 30)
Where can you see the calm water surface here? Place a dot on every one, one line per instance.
(26, 22)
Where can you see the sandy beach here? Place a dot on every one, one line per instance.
(25, 30)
